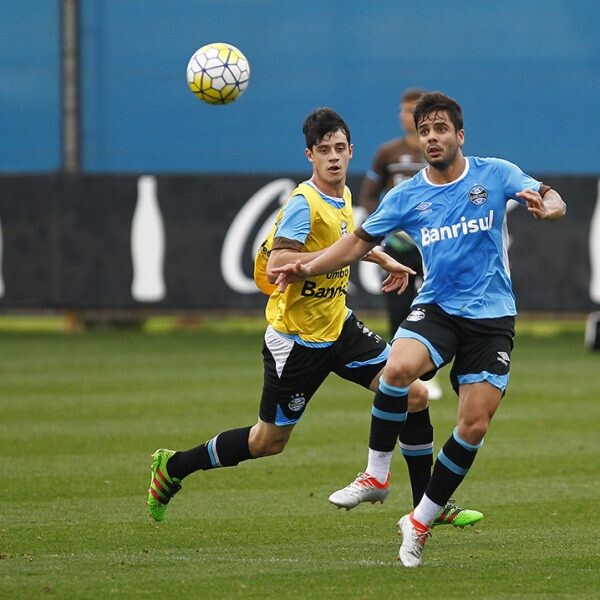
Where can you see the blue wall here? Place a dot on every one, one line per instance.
(30, 114)
(526, 73)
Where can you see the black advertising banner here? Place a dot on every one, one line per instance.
(551, 262)
(187, 242)
(30, 245)
(66, 241)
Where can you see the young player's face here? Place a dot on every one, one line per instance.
(438, 139)
(407, 110)
(330, 158)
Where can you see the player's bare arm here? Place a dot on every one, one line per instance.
(344, 252)
(287, 251)
(340, 254)
(547, 205)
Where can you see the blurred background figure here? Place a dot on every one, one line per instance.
(395, 161)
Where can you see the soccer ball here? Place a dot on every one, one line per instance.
(218, 73)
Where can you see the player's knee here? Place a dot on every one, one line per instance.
(399, 373)
(473, 431)
(418, 396)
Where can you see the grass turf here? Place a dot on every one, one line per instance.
(80, 415)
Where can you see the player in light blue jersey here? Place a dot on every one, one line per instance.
(460, 230)
(454, 210)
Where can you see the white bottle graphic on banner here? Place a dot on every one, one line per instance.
(148, 244)
(595, 251)
(1, 249)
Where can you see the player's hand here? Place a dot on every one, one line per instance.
(387, 263)
(397, 283)
(290, 273)
(535, 203)
(397, 280)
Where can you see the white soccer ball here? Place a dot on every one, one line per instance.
(218, 73)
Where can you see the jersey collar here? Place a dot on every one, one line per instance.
(461, 176)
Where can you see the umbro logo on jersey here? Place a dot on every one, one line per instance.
(478, 195)
(423, 206)
(297, 403)
(504, 358)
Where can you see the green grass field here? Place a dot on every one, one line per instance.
(81, 413)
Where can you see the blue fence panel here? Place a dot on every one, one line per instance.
(525, 73)
(30, 93)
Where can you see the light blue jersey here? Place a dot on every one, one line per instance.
(460, 229)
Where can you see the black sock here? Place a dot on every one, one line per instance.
(388, 415)
(416, 445)
(226, 449)
(451, 467)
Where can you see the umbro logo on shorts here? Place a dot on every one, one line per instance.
(416, 315)
(504, 358)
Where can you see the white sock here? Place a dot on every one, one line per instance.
(379, 464)
(426, 511)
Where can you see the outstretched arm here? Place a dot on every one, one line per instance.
(343, 252)
(288, 252)
(549, 205)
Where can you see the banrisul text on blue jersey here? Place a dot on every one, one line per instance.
(463, 227)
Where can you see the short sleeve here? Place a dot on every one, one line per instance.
(514, 179)
(295, 220)
(387, 217)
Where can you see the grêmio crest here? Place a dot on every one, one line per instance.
(478, 195)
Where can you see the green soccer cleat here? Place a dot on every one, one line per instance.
(456, 516)
(162, 487)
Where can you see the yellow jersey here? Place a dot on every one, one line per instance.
(315, 309)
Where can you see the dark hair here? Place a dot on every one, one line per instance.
(412, 94)
(431, 102)
(320, 122)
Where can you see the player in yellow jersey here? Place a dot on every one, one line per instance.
(312, 333)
